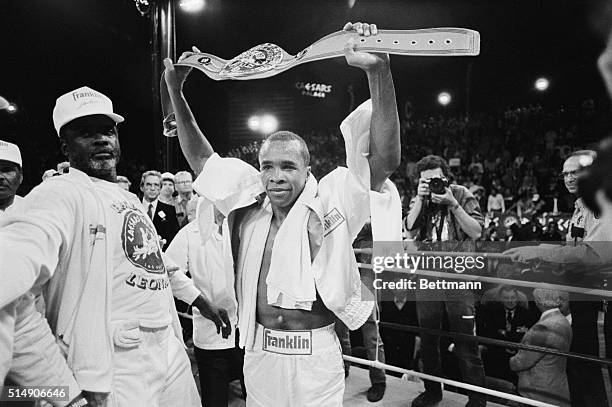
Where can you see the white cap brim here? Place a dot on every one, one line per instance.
(114, 116)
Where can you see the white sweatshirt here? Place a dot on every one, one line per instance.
(59, 237)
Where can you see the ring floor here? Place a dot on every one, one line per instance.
(399, 393)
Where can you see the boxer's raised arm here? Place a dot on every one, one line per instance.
(384, 129)
(384, 155)
(194, 144)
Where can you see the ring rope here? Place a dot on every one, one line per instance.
(495, 342)
(483, 390)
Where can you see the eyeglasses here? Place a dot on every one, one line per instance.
(183, 182)
(566, 174)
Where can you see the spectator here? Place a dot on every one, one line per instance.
(183, 183)
(542, 376)
(210, 265)
(586, 381)
(495, 203)
(124, 182)
(162, 215)
(399, 345)
(508, 317)
(167, 194)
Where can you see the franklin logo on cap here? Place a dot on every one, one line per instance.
(10, 152)
(79, 103)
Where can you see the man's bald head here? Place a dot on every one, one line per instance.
(291, 140)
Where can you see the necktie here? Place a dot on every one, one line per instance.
(150, 212)
(509, 316)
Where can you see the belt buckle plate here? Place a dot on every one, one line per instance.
(287, 342)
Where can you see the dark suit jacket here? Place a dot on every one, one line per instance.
(494, 319)
(542, 376)
(167, 226)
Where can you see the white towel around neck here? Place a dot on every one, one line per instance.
(290, 280)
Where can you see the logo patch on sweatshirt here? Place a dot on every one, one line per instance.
(140, 244)
(332, 220)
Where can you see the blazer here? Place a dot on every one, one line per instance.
(165, 222)
(542, 376)
(494, 319)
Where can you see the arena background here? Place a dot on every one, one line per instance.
(50, 47)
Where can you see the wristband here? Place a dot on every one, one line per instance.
(169, 124)
(79, 401)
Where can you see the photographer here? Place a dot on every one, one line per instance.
(442, 211)
(447, 215)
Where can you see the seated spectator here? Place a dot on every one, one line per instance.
(542, 376)
(506, 317)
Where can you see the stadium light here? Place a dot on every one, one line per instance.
(265, 124)
(444, 98)
(254, 123)
(269, 124)
(541, 84)
(11, 108)
(192, 6)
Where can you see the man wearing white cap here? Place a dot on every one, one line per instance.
(21, 352)
(11, 175)
(10, 179)
(108, 297)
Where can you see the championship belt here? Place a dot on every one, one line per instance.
(266, 60)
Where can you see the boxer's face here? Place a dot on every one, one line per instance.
(283, 172)
(91, 144)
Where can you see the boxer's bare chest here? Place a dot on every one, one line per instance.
(279, 318)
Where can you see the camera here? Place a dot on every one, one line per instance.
(437, 185)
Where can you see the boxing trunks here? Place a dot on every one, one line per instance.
(294, 368)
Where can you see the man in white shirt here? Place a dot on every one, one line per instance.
(107, 288)
(206, 256)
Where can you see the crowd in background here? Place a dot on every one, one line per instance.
(510, 161)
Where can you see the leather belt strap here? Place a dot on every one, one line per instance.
(266, 60)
